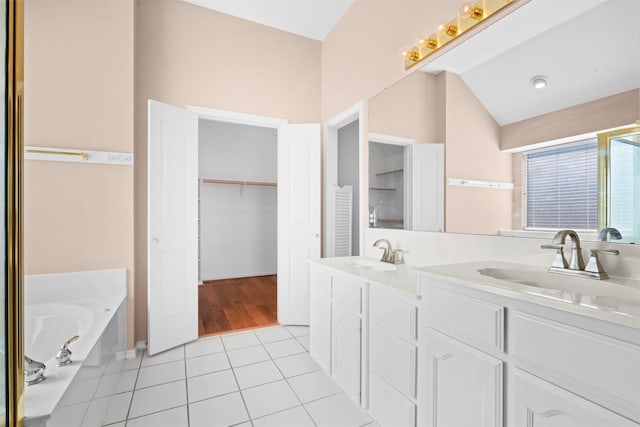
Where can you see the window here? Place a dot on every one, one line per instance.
(561, 187)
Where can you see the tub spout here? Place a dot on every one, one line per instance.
(33, 371)
(63, 357)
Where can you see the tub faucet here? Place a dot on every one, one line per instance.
(63, 357)
(33, 371)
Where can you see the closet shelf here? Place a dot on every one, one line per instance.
(382, 189)
(389, 172)
(230, 182)
(392, 221)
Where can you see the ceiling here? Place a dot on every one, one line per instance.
(588, 49)
(309, 18)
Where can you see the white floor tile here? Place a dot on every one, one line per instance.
(133, 363)
(164, 357)
(176, 417)
(296, 365)
(244, 339)
(298, 331)
(220, 411)
(257, 374)
(68, 415)
(304, 340)
(118, 408)
(158, 398)
(97, 411)
(160, 374)
(313, 386)
(284, 348)
(246, 356)
(203, 346)
(122, 424)
(269, 398)
(337, 411)
(127, 381)
(295, 417)
(211, 385)
(271, 334)
(207, 364)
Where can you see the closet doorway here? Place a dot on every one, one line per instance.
(237, 171)
(173, 242)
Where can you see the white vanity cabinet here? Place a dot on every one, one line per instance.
(494, 360)
(393, 357)
(336, 320)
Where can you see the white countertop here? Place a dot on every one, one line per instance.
(615, 300)
(400, 277)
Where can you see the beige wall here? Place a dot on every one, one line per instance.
(361, 55)
(187, 55)
(407, 109)
(79, 94)
(605, 113)
(472, 139)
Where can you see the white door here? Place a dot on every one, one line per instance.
(172, 248)
(427, 187)
(298, 218)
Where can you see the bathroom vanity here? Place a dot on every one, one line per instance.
(482, 344)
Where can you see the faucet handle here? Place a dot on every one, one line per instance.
(559, 261)
(63, 357)
(594, 266)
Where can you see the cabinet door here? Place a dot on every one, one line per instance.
(464, 385)
(345, 350)
(542, 404)
(320, 331)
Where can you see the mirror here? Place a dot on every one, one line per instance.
(480, 102)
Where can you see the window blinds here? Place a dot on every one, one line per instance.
(562, 187)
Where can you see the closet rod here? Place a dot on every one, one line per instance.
(224, 181)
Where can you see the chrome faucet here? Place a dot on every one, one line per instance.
(575, 266)
(609, 233)
(389, 255)
(63, 357)
(575, 261)
(33, 371)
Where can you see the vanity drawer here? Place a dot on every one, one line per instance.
(602, 369)
(320, 280)
(476, 322)
(393, 359)
(395, 315)
(347, 291)
(388, 407)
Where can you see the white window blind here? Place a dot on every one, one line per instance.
(562, 187)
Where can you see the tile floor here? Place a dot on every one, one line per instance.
(263, 377)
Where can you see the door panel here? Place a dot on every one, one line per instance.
(298, 218)
(172, 247)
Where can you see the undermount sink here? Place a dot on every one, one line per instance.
(373, 265)
(546, 280)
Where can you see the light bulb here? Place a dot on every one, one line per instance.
(425, 41)
(468, 10)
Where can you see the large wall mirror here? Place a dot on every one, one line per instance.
(537, 116)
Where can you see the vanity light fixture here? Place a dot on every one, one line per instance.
(539, 82)
(469, 15)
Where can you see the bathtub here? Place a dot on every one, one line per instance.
(58, 306)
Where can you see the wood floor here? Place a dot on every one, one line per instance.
(232, 304)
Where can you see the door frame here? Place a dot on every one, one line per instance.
(407, 143)
(358, 112)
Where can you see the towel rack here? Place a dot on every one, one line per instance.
(80, 154)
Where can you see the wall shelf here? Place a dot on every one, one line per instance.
(389, 172)
(382, 189)
(230, 182)
(390, 221)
